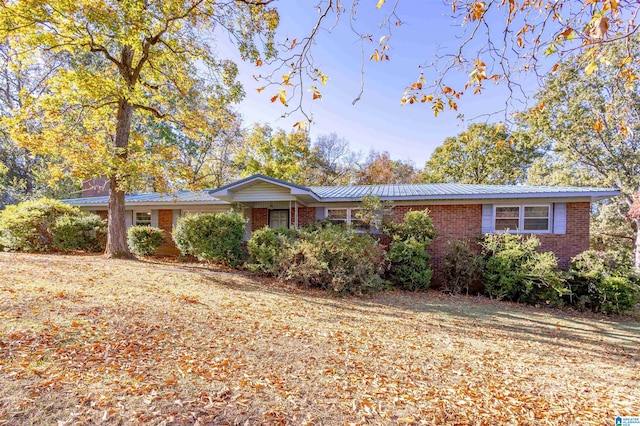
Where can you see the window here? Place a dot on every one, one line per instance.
(278, 219)
(533, 218)
(347, 216)
(507, 218)
(143, 219)
(338, 216)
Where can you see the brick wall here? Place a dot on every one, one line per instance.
(259, 218)
(165, 222)
(104, 214)
(452, 222)
(306, 215)
(575, 241)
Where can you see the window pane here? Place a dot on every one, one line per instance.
(337, 215)
(143, 218)
(536, 224)
(538, 211)
(278, 219)
(507, 212)
(504, 224)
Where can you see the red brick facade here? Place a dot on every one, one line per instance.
(576, 240)
(259, 219)
(464, 222)
(165, 222)
(306, 215)
(452, 222)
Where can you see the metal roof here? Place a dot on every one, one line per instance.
(182, 197)
(455, 190)
(406, 192)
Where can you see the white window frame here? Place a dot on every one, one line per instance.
(350, 216)
(521, 218)
(135, 218)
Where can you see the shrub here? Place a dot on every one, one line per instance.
(211, 236)
(28, 226)
(409, 264)
(408, 260)
(603, 281)
(335, 258)
(516, 271)
(266, 248)
(416, 224)
(85, 232)
(462, 268)
(144, 240)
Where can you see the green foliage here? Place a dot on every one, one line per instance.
(211, 236)
(28, 226)
(280, 155)
(266, 247)
(462, 268)
(334, 258)
(407, 256)
(80, 232)
(516, 271)
(409, 264)
(372, 212)
(144, 240)
(416, 224)
(483, 154)
(603, 281)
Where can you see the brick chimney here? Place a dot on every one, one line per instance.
(96, 187)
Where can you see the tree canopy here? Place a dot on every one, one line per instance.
(121, 63)
(483, 154)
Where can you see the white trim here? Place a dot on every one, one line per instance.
(142, 211)
(521, 217)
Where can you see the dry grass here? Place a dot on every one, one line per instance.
(89, 341)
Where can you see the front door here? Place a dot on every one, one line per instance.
(278, 218)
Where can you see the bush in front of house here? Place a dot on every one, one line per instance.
(416, 224)
(144, 240)
(266, 247)
(28, 226)
(409, 264)
(516, 271)
(407, 257)
(462, 268)
(211, 236)
(334, 258)
(87, 232)
(603, 281)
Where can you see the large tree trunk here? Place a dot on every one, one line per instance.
(636, 247)
(117, 237)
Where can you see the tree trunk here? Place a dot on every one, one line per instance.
(117, 236)
(636, 247)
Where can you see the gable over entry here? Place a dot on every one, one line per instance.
(272, 202)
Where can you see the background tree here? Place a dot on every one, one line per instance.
(124, 62)
(278, 154)
(483, 154)
(334, 162)
(593, 121)
(379, 168)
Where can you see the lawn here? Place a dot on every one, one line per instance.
(85, 340)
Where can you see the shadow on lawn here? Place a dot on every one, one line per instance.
(601, 336)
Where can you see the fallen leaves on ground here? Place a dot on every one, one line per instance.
(84, 340)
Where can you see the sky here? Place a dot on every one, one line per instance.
(377, 121)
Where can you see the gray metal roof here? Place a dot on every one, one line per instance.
(182, 197)
(453, 190)
(407, 192)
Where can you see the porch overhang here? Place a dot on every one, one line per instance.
(260, 188)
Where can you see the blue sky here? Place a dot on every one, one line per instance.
(377, 121)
